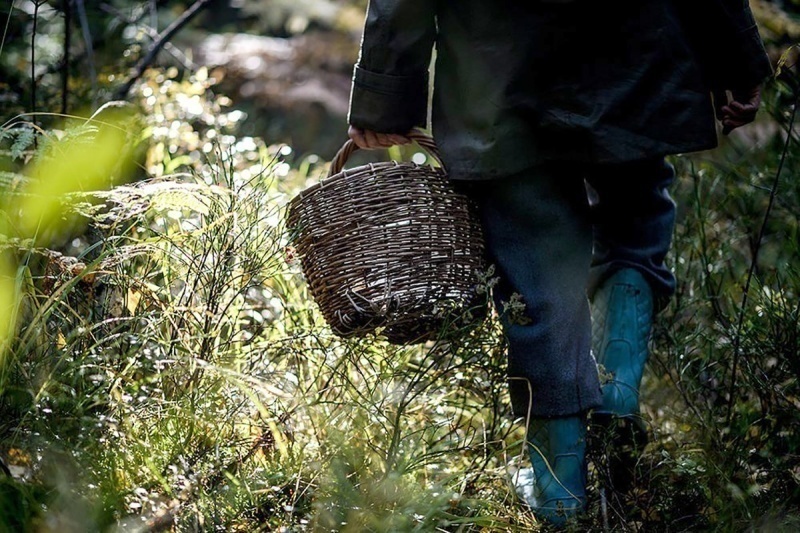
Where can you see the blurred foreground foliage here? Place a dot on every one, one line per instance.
(162, 366)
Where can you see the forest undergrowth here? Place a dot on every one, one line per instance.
(163, 367)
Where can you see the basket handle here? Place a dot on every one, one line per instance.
(424, 140)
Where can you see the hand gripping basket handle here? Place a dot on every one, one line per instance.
(421, 138)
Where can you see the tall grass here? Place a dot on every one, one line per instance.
(175, 373)
(724, 386)
(168, 369)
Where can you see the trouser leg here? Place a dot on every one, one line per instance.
(539, 238)
(633, 224)
(633, 217)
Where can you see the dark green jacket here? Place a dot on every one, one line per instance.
(519, 82)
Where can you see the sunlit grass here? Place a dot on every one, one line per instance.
(167, 368)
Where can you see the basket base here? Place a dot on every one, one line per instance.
(415, 327)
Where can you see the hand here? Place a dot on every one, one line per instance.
(739, 111)
(371, 140)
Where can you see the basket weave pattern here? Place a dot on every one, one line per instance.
(389, 245)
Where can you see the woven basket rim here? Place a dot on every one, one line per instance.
(359, 173)
(344, 257)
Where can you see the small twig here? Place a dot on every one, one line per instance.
(712, 293)
(67, 6)
(159, 43)
(4, 469)
(604, 509)
(36, 5)
(33, 60)
(153, 14)
(87, 38)
(737, 340)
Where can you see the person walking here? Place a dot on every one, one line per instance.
(556, 117)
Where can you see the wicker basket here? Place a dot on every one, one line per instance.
(389, 245)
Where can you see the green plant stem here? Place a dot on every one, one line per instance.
(67, 7)
(33, 64)
(712, 293)
(737, 340)
(87, 37)
(5, 29)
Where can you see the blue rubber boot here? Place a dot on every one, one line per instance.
(622, 319)
(555, 486)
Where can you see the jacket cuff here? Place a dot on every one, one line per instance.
(387, 103)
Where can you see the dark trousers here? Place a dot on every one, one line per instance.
(551, 244)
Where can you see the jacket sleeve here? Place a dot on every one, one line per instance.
(727, 43)
(390, 81)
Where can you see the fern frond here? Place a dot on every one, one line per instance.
(24, 140)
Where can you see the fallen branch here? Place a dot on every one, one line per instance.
(158, 44)
(152, 33)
